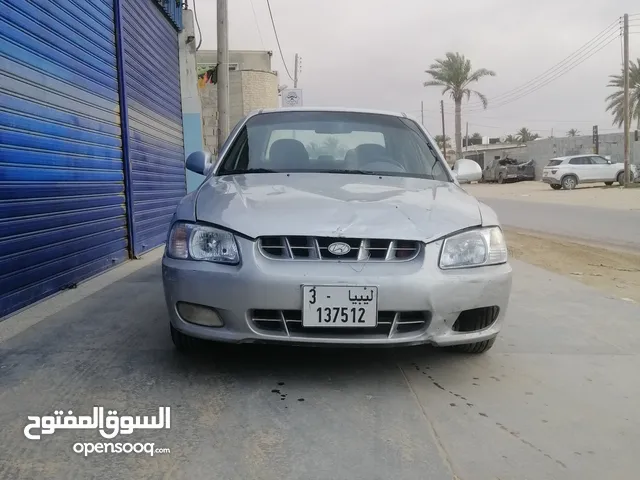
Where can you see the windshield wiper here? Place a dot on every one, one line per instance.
(354, 172)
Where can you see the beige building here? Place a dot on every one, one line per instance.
(252, 85)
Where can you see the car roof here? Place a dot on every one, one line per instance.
(569, 157)
(328, 109)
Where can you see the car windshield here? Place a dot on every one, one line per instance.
(333, 142)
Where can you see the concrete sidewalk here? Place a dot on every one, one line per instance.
(555, 398)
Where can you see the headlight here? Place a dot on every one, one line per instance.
(474, 248)
(200, 242)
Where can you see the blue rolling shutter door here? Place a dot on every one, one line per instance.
(62, 204)
(156, 146)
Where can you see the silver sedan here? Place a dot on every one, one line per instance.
(336, 227)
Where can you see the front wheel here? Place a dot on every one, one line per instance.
(621, 178)
(475, 348)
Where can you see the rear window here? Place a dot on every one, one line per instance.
(553, 163)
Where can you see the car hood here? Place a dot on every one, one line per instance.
(336, 205)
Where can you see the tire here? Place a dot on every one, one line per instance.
(569, 182)
(556, 187)
(501, 179)
(608, 184)
(620, 178)
(475, 348)
(183, 343)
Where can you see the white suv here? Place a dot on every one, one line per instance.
(568, 172)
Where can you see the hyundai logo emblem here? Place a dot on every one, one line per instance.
(339, 248)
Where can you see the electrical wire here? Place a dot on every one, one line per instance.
(552, 70)
(275, 31)
(255, 17)
(559, 74)
(532, 83)
(195, 15)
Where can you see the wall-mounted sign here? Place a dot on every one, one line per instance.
(292, 97)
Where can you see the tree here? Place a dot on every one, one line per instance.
(524, 135)
(314, 149)
(332, 146)
(616, 100)
(439, 142)
(510, 139)
(455, 74)
(573, 133)
(476, 136)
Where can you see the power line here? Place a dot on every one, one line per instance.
(559, 74)
(552, 71)
(255, 17)
(195, 15)
(562, 67)
(275, 31)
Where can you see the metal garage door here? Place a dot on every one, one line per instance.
(155, 143)
(62, 204)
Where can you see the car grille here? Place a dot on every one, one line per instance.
(317, 248)
(289, 323)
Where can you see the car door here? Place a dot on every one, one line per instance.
(603, 171)
(580, 166)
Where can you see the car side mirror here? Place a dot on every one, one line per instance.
(609, 162)
(200, 162)
(466, 170)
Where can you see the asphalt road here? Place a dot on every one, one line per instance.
(557, 397)
(618, 228)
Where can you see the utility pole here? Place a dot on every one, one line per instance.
(444, 135)
(625, 109)
(295, 73)
(467, 135)
(422, 113)
(223, 73)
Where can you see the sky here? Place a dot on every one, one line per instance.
(374, 53)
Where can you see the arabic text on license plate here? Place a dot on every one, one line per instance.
(339, 306)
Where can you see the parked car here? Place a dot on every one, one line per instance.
(509, 170)
(568, 172)
(378, 245)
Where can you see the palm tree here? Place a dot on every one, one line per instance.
(332, 146)
(524, 135)
(616, 100)
(455, 74)
(314, 149)
(510, 139)
(573, 133)
(439, 142)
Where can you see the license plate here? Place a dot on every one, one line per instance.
(339, 306)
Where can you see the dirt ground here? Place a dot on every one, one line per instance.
(614, 272)
(598, 195)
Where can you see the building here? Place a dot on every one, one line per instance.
(238, 60)
(252, 85)
(91, 139)
(542, 150)
(485, 155)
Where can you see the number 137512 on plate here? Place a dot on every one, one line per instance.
(339, 306)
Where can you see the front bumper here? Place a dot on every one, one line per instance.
(242, 294)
